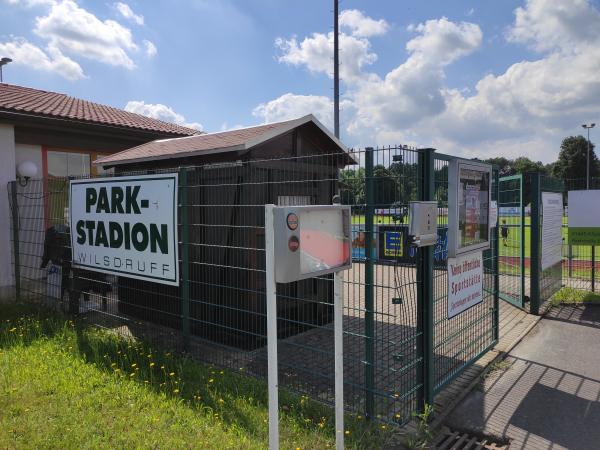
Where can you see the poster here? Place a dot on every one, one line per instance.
(494, 213)
(584, 217)
(126, 226)
(551, 229)
(465, 282)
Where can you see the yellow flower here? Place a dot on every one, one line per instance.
(211, 380)
(347, 432)
(12, 330)
(172, 374)
(132, 374)
(221, 401)
(133, 365)
(151, 364)
(176, 391)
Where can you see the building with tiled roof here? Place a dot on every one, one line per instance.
(56, 135)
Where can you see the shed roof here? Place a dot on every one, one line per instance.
(20, 100)
(210, 143)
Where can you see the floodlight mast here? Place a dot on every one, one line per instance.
(588, 127)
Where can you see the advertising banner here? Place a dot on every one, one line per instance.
(465, 282)
(584, 217)
(126, 226)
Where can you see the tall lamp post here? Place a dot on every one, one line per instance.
(4, 61)
(588, 127)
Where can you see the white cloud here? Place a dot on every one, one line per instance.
(150, 48)
(526, 109)
(290, 106)
(361, 25)
(74, 30)
(549, 25)
(161, 112)
(27, 54)
(125, 10)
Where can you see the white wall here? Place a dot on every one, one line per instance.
(7, 173)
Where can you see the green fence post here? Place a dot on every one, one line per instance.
(424, 263)
(593, 268)
(185, 257)
(369, 302)
(535, 244)
(522, 241)
(15, 226)
(495, 265)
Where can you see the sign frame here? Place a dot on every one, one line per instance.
(174, 236)
(455, 194)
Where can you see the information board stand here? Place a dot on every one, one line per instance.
(273, 381)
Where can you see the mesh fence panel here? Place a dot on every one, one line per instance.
(462, 339)
(221, 207)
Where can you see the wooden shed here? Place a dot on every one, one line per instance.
(230, 176)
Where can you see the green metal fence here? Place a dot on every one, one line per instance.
(511, 246)
(399, 347)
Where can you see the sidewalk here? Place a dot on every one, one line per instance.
(547, 395)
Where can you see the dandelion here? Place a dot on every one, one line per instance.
(211, 380)
(172, 374)
(133, 365)
(132, 374)
(383, 427)
(221, 401)
(176, 391)
(12, 330)
(151, 364)
(347, 432)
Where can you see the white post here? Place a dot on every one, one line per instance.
(338, 329)
(271, 291)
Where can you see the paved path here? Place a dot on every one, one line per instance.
(549, 396)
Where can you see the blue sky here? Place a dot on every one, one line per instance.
(475, 78)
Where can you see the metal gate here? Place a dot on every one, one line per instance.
(513, 262)
(400, 347)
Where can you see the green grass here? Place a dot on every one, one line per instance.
(67, 385)
(573, 296)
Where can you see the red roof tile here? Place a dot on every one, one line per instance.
(25, 100)
(241, 139)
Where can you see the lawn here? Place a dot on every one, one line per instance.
(65, 384)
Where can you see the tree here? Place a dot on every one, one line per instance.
(523, 165)
(505, 166)
(572, 159)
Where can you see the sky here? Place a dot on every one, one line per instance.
(472, 78)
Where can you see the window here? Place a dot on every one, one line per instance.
(68, 164)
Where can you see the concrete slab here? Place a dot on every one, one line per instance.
(549, 396)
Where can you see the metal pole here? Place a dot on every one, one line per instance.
(185, 258)
(424, 268)
(535, 244)
(336, 70)
(271, 297)
(15, 224)
(369, 287)
(338, 317)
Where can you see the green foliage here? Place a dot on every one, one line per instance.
(571, 296)
(423, 434)
(67, 385)
(522, 164)
(572, 159)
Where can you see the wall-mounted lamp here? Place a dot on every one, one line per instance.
(25, 171)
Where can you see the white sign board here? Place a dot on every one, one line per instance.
(465, 282)
(126, 226)
(552, 205)
(584, 217)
